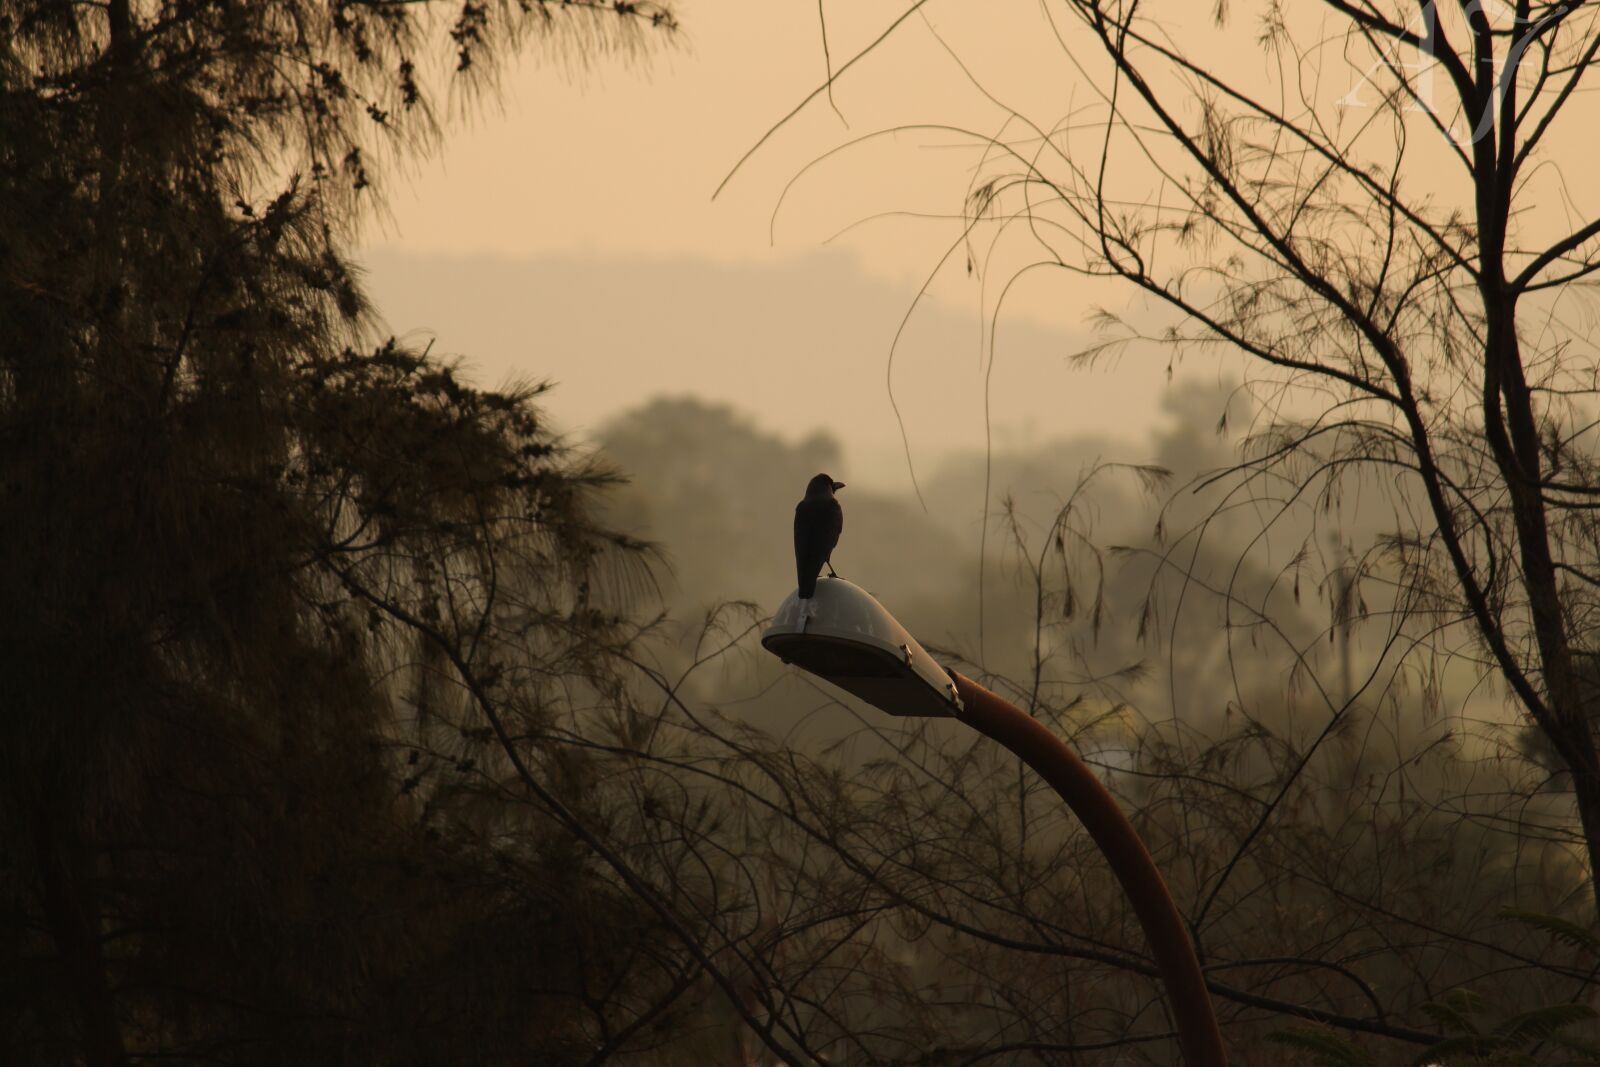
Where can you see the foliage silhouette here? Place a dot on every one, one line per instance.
(231, 830)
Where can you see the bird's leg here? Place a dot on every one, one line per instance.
(830, 570)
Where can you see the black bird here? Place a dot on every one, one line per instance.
(818, 521)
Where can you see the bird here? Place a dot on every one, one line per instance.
(818, 521)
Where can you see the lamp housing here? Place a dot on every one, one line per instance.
(849, 639)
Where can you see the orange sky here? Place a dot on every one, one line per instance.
(611, 171)
(517, 245)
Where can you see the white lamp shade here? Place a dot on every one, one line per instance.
(851, 640)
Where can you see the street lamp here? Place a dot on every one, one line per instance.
(844, 636)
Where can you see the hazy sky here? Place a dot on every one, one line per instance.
(572, 235)
(622, 156)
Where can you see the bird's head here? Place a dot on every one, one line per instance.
(823, 485)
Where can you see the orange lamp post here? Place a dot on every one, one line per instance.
(844, 636)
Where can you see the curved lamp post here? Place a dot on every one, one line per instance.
(852, 641)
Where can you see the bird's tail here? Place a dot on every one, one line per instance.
(808, 586)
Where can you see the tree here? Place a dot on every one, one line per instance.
(1359, 222)
(928, 904)
(1383, 269)
(1362, 227)
(227, 829)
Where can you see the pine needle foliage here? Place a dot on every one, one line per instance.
(237, 527)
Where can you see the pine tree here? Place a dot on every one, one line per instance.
(226, 835)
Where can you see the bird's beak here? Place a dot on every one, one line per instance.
(838, 485)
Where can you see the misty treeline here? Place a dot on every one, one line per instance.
(354, 717)
(1362, 848)
(1376, 213)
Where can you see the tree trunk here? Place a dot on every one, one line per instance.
(1585, 770)
(77, 936)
